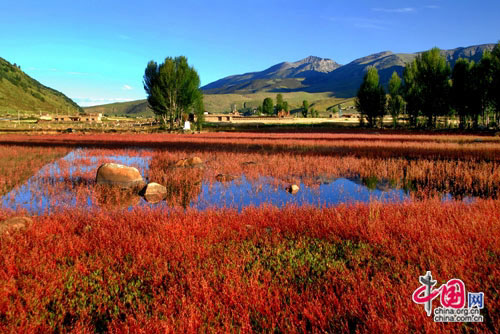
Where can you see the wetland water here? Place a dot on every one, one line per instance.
(69, 183)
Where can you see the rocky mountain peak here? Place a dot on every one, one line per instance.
(317, 64)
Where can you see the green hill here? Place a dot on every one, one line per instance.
(137, 108)
(19, 92)
(217, 103)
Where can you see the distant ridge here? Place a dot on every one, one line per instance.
(282, 76)
(314, 74)
(20, 92)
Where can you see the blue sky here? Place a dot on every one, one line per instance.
(96, 51)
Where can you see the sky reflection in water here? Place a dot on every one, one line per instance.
(240, 193)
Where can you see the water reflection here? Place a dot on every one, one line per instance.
(70, 182)
(242, 193)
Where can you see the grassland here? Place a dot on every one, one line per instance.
(223, 102)
(20, 93)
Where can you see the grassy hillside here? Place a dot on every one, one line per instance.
(217, 103)
(19, 92)
(132, 108)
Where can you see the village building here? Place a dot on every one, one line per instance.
(87, 118)
(218, 118)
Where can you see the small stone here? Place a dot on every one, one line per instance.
(224, 178)
(189, 162)
(293, 189)
(193, 161)
(14, 223)
(154, 192)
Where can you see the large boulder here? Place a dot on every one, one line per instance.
(119, 175)
(14, 223)
(154, 192)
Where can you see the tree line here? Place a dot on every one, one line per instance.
(269, 108)
(431, 89)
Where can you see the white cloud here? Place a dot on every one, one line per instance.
(432, 7)
(394, 10)
(127, 87)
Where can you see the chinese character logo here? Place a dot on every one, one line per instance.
(476, 300)
(453, 300)
(425, 294)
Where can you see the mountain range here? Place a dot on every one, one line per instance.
(323, 79)
(20, 92)
(315, 74)
(283, 76)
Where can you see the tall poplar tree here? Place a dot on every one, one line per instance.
(432, 77)
(396, 102)
(371, 99)
(173, 89)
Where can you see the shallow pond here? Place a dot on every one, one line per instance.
(69, 183)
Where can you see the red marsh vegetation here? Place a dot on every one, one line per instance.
(343, 269)
(18, 163)
(347, 268)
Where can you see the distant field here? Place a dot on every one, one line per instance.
(223, 102)
(217, 103)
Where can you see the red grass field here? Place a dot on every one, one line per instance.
(347, 269)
